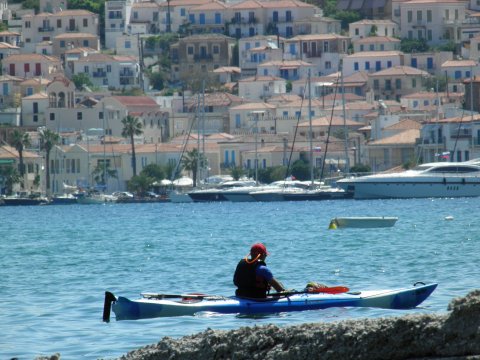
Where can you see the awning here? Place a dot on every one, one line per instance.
(6, 161)
(289, 67)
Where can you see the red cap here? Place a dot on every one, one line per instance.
(259, 248)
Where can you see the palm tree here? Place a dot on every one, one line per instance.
(20, 140)
(191, 161)
(132, 126)
(48, 139)
(101, 171)
(10, 177)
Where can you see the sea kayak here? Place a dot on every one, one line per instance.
(158, 305)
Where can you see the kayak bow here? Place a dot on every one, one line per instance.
(156, 306)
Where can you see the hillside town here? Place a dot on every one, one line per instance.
(205, 88)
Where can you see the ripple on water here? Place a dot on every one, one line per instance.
(59, 260)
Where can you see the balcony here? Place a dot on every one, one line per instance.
(126, 73)
(99, 74)
(46, 29)
(243, 20)
(72, 29)
(203, 57)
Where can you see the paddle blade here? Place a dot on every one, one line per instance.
(329, 290)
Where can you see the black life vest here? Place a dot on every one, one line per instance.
(249, 285)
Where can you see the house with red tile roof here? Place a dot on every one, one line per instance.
(323, 50)
(397, 81)
(29, 65)
(109, 71)
(45, 26)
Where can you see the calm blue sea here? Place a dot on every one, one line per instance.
(57, 262)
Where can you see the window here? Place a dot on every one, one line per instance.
(109, 68)
(52, 116)
(238, 122)
(79, 115)
(182, 12)
(372, 47)
(361, 48)
(85, 43)
(414, 83)
(419, 15)
(85, 69)
(155, 16)
(35, 118)
(376, 84)
(458, 74)
(26, 68)
(378, 65)
(389, 64)
(128, 44)
(415, 103)
(328, 65)
(429, 15)
(429, 35)
(59, 23)
(35, 107)
(62, 43)
(190, 50)
(367, 65)
(409, 16)
(289, 31)
(355, 66)
(398, 84)
(135, 15)
(27, 24)
(357, 31)
(216, 49)
(288, 15)
(388, 84)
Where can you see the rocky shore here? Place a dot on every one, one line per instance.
(453, 335)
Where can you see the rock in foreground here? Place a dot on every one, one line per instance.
(452, 335)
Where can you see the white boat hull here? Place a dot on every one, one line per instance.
(414, 189)
(364, 222)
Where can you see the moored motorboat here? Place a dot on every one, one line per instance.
(363, 222)
(162, 305)
(438, 179)
(216, 194)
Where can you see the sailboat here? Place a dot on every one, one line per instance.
(314, 191)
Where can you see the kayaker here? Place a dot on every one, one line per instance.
(252, 276)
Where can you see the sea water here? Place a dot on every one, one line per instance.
(57, 262)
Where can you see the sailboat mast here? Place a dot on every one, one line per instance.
(310, 132)
(347, 159)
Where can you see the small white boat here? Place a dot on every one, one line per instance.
(363, 222)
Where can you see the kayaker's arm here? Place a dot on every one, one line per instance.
(277, 285)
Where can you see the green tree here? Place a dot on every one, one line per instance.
(102, 172)
(301, 170)
(48, 139)
(20, 140)
(237, 172)
(360, 168)
(31, 4)
(132, 126)
(10, 177)
(82, 79)
(157, 80)
(154, 171)
(191, 161)
(413, 45)
(140, 184)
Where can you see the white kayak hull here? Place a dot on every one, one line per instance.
(144, 308)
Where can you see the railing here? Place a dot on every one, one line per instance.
(99, 74)
(197, 57)
(46, 29)
(71, 29)
(126, 72)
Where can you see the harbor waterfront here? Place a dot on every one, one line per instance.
(57, 263)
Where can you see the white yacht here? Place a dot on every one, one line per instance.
(439, 179)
